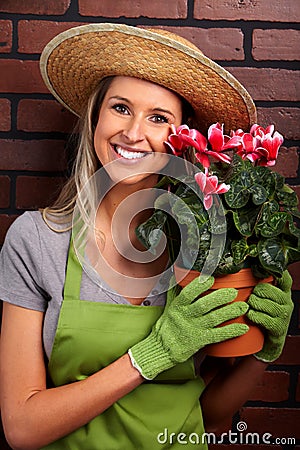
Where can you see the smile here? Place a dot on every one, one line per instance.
(128, 154)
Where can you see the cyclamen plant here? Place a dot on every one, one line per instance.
(234, 175)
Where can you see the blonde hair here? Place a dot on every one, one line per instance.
(86, 164)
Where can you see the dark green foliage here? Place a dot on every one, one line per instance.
(259, 217)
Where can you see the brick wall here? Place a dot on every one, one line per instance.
(256, 40)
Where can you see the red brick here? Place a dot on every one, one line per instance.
(36, 192)
(35, 34)
(40, 7)
(297, 190)
(5, 36)
(287, 162)
(4, 191)
(286, 120)
(44, 115)
(223, 44)
(176, 9)
(42, 155)
(269, 84)
(280, 422)
(298, 389)
(216, 43)
(278, 11)
(5, 111)
(290, 354)
(21, 76)
(276, 45)
(272, 388)
(5, 223)
(294, 270)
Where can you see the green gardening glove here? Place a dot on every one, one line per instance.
(271, 308)
(187, 325)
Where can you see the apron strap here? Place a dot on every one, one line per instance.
(73, 275)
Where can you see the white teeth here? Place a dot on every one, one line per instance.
(128, 155)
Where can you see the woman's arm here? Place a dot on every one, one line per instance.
(34, 416)
(229, 388)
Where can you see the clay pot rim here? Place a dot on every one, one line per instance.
(243, 278)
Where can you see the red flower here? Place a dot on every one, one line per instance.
(271, 144)
(209, 185)
(250, 148)
(218, 143)
(260, 146)
(257, 130)
(182, 138)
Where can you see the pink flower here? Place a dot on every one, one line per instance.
(271, 145)
(182, 138)
(250, 148)
(257, 130)
(260, 146)
(218, 143)
(209, 185)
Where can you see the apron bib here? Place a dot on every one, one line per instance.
(91, 335)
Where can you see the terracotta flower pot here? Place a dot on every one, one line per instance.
(244, 281)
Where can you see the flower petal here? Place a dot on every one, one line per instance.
(215, 136)
(222, 188)
(203, 159)
(219, 156)
(200, 178)
(207, 201)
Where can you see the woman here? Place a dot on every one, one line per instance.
(91, 359)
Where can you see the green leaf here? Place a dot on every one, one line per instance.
(259, 194)
(245, 219)
(271, 253)
(287, 197)
(149, 233)
(238, 194)
(279, 180)
(271, 222)
(266, 178)
(295, 231)
(184, 212)
(240, 250)
(275, 224)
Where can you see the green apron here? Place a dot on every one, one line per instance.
(91, 335)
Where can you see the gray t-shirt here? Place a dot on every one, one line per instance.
(32, 273)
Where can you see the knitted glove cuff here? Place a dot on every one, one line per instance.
(149, 357)
(264, 359)
(270, 352)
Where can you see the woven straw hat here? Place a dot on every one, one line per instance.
(74, 62)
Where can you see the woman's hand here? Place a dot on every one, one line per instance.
(188, 324)
(271, 308)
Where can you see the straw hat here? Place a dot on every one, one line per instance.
(74, 62)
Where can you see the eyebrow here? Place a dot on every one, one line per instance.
(124, 99)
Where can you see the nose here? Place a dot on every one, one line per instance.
(133, 131)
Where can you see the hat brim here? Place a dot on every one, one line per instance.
(75, 61)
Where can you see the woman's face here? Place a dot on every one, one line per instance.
(134, 121)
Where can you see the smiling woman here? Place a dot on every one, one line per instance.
(98, 343)
(131, 130)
